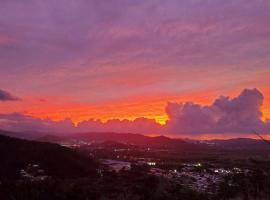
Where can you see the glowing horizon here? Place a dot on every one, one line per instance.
(79, 113)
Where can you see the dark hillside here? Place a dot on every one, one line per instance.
(56, 160)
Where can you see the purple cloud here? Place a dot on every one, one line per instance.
(5, 96)
(139, 125)
(241, 114)
(65, 46)
(23, 123)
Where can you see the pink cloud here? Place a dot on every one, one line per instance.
(6, 40)
(241, 114)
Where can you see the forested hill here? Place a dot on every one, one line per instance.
(55, 160)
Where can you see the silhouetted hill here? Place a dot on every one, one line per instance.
(51, 138)
(15, 134)
(56, 160)
(114, 145)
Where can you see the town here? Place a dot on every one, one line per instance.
(199, 172)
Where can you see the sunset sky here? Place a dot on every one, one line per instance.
(88, 60)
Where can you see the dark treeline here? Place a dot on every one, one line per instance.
(135, 184)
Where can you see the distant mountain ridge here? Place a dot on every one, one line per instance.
(151, 142)
(14, 134)
(243, 143)
(162, 141)
(127, 138)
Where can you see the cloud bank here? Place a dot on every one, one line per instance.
(21, 122)
(241, 114)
